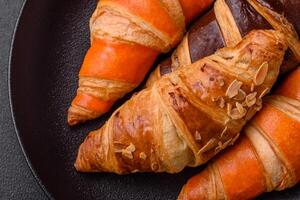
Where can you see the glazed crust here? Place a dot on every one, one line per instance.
(190, 115)
(126, 38)
(230, 20)
(265, 158)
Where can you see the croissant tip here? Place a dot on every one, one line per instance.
(79, 165)
(73, 119)
(72, 122)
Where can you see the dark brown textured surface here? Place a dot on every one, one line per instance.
(246, 16)
(50, 44)
(289, 8)
(205, 37)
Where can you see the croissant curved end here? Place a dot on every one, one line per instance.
(85, 159)
(77, 116)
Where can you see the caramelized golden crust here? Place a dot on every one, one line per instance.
(190, 115)
(266, 157)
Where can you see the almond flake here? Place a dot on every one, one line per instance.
(240, 96)
(244, 104)
(242, 65)
(220, 144)
(258, 105)
(240, 108)
(198, 136)
(221, 82)
(251, 99)
(130, 148)
(259, 102)
(127, 154)
(218, 149)
(143, 156)
(233, 88)
(214, 99)
(252, 87)
(235, 138)
(261, 74)
(263, 93)
(227, 143)
(235, 114)
(222, 103)
(208, 146)
(154, 166)
(227, 120)
(224, 131)
(229, 108)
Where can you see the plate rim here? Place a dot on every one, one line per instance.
(12, 113)
(11, 107)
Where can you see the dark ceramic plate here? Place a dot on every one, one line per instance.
(50, 42)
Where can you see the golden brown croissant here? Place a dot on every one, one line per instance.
(190, 115)
(265, 158)
(227, 23)
(126, 38)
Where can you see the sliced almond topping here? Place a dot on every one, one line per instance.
(220, 144)
(263, 93)
(154, 166)
(259, 102)
(214, 99)
(198, 136)
(251, 99)
(222, 102)
(261, 74)
(143, 156)
(252, 87)
(240, 108)
(258, 105)
(229, 108)
(235, 138)
(221, 82)
(218, 149)
(131, 148)
(233, 88)
(242, 65)
(240, 96)
(208, 146)
(227, 120)
(235, 114)
(227, 143)
(224, 131)
(127, 154)
(244, 104)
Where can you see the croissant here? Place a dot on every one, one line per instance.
(227, 23)
(126, 38)
(188, 116)
(265, 158)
